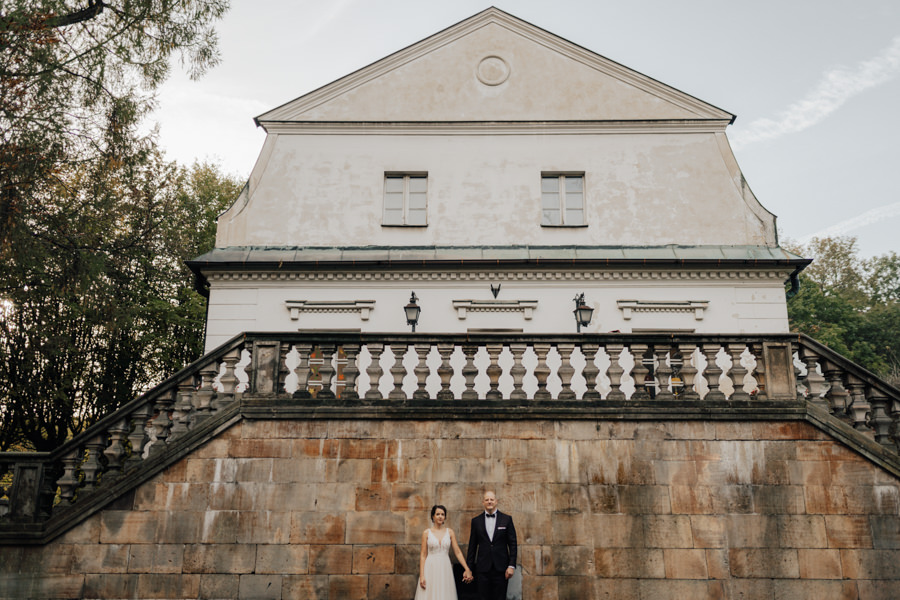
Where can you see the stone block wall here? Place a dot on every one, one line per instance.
(334, 509)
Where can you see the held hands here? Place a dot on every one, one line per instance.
(467, 576)
(509, 572)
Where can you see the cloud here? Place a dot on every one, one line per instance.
(836, 87)
(332, 11)
(184, 98)
(197, 124)
(867, 218)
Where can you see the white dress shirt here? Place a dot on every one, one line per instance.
(490, 523)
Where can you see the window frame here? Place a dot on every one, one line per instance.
(561, 176)
(406, 176)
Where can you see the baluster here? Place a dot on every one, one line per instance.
(663, 373)
(837, 395)
(203, 397)
(737, 373)
(92, 467)
(518, 371)
(880, 420)
(676, 378)
(228, 380)
(469, 371)
(759, 372)
(283, 350)
(542, 372)
(181, 417)
(47, 491)
(303, 371)
(250, 374)
(138, 436)
(326, 372)
(398, 371)
(5, 488)
(494, 371)
(566, 371)
(162, 423)
(615, 372)
(590, 372)
(895, 421)
(712, 372)
(859, 407)
(688, 371)
(374, 372)
(351, 373)
(445, 371)
(421, 371)
(814, 382)
(640, 372)
(115, 453)
(69, 481)
(802, 392)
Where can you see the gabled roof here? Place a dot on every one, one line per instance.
(494, 67)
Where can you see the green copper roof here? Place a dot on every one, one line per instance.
(301, 257)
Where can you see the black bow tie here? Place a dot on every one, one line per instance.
(489, 515)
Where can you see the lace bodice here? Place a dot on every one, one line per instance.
(436, 546)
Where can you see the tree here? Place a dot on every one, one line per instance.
(94, 301)
(107, 307)
(75, 76)
(851, 304)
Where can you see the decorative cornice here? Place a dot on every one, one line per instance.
(363, 307)
(494, 128)
(633, 306)
(526, 307)
(527, 276)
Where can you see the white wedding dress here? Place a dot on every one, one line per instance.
(439, 584)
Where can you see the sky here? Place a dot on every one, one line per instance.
(815, 85)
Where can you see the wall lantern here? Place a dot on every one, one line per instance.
(583, 313)
(412, 311)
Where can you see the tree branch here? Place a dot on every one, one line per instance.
(94, 8)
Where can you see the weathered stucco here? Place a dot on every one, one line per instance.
(335, 508)
(547, 79)
(641, 189)
(484, 107)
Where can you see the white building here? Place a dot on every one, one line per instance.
(496, 155)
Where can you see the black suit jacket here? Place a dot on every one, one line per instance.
(499, 553)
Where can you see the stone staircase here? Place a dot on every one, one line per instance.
(338, 375)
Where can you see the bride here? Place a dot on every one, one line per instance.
(435, 572)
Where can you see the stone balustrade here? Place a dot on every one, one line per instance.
(354, 372)
(36, 486)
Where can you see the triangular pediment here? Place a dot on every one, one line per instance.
(494, 67)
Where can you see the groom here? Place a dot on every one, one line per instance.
(492, 550)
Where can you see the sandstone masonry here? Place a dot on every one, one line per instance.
(334, 509)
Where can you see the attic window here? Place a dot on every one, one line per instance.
(405, 199)
(562, 200)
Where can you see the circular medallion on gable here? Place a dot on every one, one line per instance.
(492, 70)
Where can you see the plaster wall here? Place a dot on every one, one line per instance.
(641, 189)
(543, 78)
(755, 306)
(334, 509)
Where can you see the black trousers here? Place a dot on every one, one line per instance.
(491, 584)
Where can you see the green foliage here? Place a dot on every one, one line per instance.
(851, 304)
(106, 306)
(95, 301)
(76, 76)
